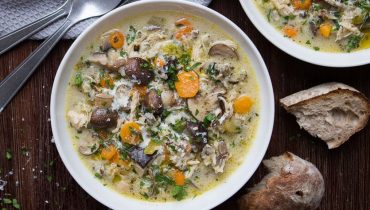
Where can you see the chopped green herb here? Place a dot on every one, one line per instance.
(131, 35)
(16, 204)
(123, 53)
(211, 69)
(208, 119)
(179, 192)
(193, 67)
(316, 48)
(179, 126)
(353, 43)
(8, 155)
(185, 59)
(78, 80)
(97, 175)
(196, 112)
(172, 75)
(308, 42)
(269, 15)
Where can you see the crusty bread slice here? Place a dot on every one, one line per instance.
(331, 111)
(293, 183)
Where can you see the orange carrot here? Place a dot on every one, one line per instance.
(243, 104)
(290, 31)
(182, 22)
(186, 30)
(106, 81)
(187, 85)
(117, 40)
(325, 29)
(179, 178)
(131, 133)
(109, 152)
(302, 4)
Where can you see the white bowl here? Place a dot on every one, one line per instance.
(294, 49)
(115, 200)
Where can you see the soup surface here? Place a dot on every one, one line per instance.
(323, 25)
(163, 106)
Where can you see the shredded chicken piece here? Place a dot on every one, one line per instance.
(347, 28)
(284, 7)
(135, 102)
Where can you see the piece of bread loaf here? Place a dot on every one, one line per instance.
(331, 111)
(292, 184)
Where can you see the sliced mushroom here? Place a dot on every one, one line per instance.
(138, 156)
(227, 109)
(225, 49)
(198, 132)
(103, 100)
(138, 70)
(103, 118)
(168, 98)
(153, 102)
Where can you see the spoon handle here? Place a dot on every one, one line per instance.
(10, 40)
(15, 80)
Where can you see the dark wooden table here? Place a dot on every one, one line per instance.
(38, 179)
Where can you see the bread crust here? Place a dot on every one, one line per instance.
(293, 183)
(340, 90)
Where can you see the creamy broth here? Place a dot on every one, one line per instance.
(327, 25)
(167, 152)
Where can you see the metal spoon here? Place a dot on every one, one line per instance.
(10, 40)
(80, 10)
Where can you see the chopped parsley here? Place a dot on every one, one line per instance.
(353, 43)
(179, 192)
(8, 155)
(208, 119)
(193, 67)
(131, 35)
(78, 80)
(172, 75)
(179, 126)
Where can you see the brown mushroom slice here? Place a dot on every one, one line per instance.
(103, 100)
(153, 102)
(225, 49)
(227, 109)
(138, 70)
(103, 118)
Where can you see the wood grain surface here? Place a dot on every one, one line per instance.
(38, 179)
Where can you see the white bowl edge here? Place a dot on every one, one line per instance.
(298, 51)
(109, 197)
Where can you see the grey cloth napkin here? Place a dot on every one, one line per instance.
(17, 13)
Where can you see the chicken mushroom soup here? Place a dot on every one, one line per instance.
(163, 106)
(323, 25)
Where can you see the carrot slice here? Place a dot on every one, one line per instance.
(187, 85)
(117, 40)
(325, 29)
(290, 31)
(182, 22)
(179, 178)
(186, 30)
(302, 4)
(109, 152)
(106, 82)
(131, 133)
(243, 104)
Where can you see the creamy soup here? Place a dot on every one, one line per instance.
(323, 25)
(163, 106)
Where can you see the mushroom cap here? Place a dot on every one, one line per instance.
(138, 70)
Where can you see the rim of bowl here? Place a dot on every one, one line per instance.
(257, 155)
(341, 60)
